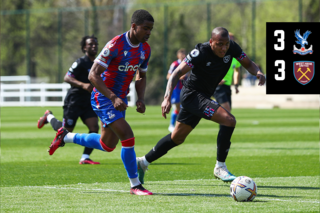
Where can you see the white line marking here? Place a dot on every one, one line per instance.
(300, 201)
(84, 189)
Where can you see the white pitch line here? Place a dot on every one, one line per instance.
(178, 194)
(300, 201)
(86, 189)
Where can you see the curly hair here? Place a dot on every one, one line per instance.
(84, 39)
(139, 16)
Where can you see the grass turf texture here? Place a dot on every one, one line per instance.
(278, 149)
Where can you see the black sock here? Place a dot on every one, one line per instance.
(223, 142)
(161, 148)
(87, 150)
(56, 124)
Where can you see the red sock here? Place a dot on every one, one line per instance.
(105, 147)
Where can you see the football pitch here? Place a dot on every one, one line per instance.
(277, 148)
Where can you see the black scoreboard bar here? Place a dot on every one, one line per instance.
(293, 59)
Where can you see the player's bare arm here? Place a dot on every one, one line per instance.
(181, 70)
(96, 80)
(236, 78)
(141, 81)
(74, 82)
(253, 69)
(181, 78)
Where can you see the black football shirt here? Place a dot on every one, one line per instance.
(208, 69)
(79, 70)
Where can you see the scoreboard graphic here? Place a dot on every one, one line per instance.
(293, 58)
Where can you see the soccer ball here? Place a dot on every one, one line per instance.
(243, 189)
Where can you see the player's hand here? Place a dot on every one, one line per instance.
(262, 78)
(119, 104)
(237, 90)
(222, 82)
(141, 107)
(165, 107)
(87, 87)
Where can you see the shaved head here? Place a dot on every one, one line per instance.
(221, 31)
(220, 41)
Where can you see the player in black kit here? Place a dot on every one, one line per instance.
(77, 102)
(209, 62)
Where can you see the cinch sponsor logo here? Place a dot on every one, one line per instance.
(127, 67)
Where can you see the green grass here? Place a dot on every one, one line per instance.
(278, 149)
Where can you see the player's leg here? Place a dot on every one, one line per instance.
(173, 118)
(175, 100)
(186, 122)
(128, 156)
(48, 117)
(107, 141)
(117, 129)
(227, 124)
(90, 119)
(226, 105)
(177, 137)
(91, 140)
(223, 96)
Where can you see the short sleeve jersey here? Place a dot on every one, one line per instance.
(121, 59)
(173, 66)
(208, 69)
(79, 70)
(228, 78)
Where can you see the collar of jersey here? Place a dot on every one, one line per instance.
(129, 42)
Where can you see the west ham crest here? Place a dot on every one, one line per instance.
(302, 40)
(303, 71)
(226, 58)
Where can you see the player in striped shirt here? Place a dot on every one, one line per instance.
(111, 74)
(175, 98)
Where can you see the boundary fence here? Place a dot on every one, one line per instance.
(42, 94)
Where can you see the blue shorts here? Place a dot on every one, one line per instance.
(106, 111)
(175, 98)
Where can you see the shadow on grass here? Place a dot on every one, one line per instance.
(261, 196)
(200, 185)
(277, 148)
(290, 187)
(192, 194)
(160, 164)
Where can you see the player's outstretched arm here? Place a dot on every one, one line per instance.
(96, 80)
(181, 70)
(141, 79)
(253, 69)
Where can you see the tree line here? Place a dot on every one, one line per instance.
(41, 38)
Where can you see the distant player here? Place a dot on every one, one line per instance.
(111, 74)
(209, 62)
(175, 99)
(77, 102)
(223, 90)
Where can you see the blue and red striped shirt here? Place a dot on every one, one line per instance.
(121, 59)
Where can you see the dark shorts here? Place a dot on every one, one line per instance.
(71, 114)
(223, 94)
(195, 106)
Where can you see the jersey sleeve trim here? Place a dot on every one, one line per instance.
(242, 56)
(101, 63)
(187, 61)
(144, 69)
